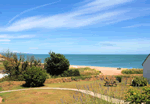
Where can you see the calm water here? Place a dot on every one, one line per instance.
(123, 61)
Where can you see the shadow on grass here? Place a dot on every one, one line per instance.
(28, 86)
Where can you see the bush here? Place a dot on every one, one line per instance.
(147, 92)
(139, 81)
(35, 77)
(76, 72)
(56, 64)
(132, 71)
(69, 73)
(80, 77)
(119, 78)
(48, 76)
(135, 96)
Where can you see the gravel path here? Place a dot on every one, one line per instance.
(104, 97)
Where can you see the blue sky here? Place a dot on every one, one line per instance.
(75, 26)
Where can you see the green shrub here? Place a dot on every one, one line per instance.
(48, 76)
(147, 93)
(135, 96)
(139, 81)
(35, 77)
(119, 78)
(76, 72)
(69, 73)
(132, 71)
(65, 74)
(56, 64)
(80, 77)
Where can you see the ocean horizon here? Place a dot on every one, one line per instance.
(101, 60)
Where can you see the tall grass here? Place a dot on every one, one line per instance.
(119, 92)
(132, 71)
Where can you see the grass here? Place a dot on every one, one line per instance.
(48, 97)
(115, 92)
(53, 96)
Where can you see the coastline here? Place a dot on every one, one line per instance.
(104, 70)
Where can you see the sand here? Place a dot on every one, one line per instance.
(1, 99)
(104, 70)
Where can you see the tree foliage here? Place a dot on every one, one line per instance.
(56, 64)
(35, 77)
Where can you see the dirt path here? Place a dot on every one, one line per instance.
(104, 97)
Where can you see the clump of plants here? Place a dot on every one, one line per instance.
(17, 66)
(139, 81)
(132, 71)
(56, 64)
(137, 97)
(68, 73)
(35, 76)
(110, 81)
(76, 78)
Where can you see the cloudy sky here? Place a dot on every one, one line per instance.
(75, 26)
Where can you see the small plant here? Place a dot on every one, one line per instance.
(3, 100)
(56, 64)
(139, 81)
(35, 77)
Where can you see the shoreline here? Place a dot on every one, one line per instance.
(104, 70)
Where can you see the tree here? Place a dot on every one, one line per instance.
(56, 64)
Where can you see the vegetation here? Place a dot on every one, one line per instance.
(119, 78)
(132, 71)
(139, 81)
(68, 73)
(138, 97)
(35, 77)
(57, 67)
(16, 67)
(56, 64)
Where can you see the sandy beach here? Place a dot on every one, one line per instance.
(104, 70)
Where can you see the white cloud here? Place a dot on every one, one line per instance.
(4, 40)
(137, 25)
(4, 43)
(76, 18)
(28, 10)
(13, 37)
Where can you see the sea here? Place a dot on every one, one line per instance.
(102, 60)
